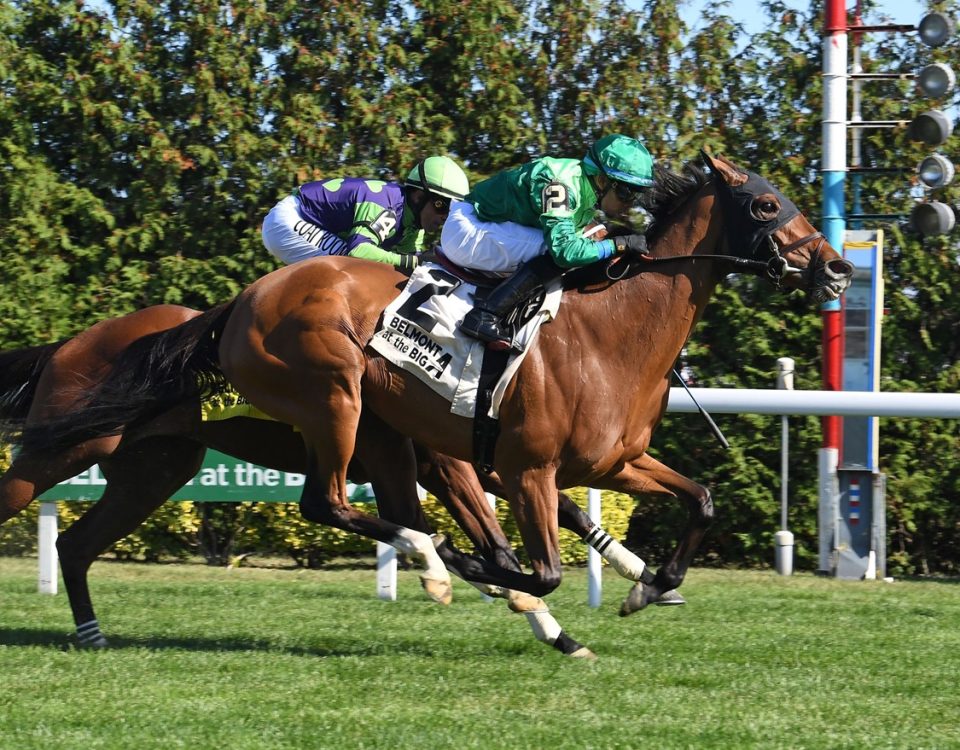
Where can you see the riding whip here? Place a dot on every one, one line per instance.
(703, 412)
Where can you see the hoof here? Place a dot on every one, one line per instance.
(583, 653)
(95, 644)
(637, 599)
(518, 601)
(440, 591)
(671, 598)
(496, 592)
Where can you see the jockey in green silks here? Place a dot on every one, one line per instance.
(529, 221)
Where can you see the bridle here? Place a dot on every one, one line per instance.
(736, 203)
(775, 269)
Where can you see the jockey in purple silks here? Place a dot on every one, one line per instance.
(372, 219)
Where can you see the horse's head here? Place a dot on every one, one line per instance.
(762, 225)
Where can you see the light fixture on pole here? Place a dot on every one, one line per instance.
(933, 218)
(935, 29)
(936, 171)
(936, 80)
(932, 127)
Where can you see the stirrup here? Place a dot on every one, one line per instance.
(484, 326)
(495, 340)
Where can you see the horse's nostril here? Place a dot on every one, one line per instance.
(840, 267)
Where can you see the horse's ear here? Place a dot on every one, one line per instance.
(728, 171)
(708, 160)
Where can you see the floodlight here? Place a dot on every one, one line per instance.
(936, 171)
(932, 127)
(933, 218)
(935, 29)
(936, 80)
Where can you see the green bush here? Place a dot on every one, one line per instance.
(224, 532)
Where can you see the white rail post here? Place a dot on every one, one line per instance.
(783, 539)
(386, 572)
(47, 548)
(492, 500)
(594, 561)
(387, 564)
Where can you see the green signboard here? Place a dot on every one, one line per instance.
(221, 479)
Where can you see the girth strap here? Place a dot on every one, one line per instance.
(486, 429)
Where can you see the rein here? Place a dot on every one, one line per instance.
(775, 269)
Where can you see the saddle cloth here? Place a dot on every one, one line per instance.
(419, 335)
(228, 404)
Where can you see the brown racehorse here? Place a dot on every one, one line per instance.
(580, 411)
(43, 380)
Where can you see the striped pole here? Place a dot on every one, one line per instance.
(834, 225)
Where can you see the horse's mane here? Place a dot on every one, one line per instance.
(670, 191)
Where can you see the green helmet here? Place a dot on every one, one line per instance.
(620, 158)
(440, 175)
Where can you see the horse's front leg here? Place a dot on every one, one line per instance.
(646, 476)
(533, 501)
(456, 484)
(622, 560)
(571, 517)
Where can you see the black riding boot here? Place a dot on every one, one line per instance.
(485, 320)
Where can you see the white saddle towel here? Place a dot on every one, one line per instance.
(419, 335)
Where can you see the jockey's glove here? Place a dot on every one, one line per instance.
(427, 256)
(408, 262)
(631, 243)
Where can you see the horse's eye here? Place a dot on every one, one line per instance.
(765, 208)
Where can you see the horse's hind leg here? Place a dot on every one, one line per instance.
(646, 475)
(26, 479)
(30, 476)
(139, 480)
(17, 490)
(460, 490)
(329, 419)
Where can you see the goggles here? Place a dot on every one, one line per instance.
(629, 194)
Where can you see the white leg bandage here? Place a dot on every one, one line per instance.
(420, 547)
(488, 589)
(544, 626)
(620, 558)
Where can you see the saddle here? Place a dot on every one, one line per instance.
(419, 334)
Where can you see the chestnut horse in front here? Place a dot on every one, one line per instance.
(584, 404)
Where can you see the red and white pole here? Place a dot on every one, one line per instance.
(834, 227)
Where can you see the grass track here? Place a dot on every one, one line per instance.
(266, 659)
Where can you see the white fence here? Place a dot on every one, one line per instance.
(822, 403)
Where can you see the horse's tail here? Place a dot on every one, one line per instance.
(19, 373)
(153, 374)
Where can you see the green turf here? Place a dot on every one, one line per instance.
(267, 659)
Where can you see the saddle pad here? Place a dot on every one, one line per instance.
(229, 404)
(419, 335)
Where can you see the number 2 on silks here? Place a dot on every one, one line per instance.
(555, 198)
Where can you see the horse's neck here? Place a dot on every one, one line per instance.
(649, 316)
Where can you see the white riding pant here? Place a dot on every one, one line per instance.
(291, 239)
(497, 247)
